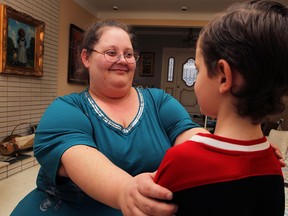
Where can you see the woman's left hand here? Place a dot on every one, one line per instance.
(278, 155)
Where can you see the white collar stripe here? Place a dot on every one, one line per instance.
(229, 146)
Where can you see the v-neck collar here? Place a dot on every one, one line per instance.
(99, 112)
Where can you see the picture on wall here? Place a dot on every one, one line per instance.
(22, 43)
(147, 63)
(75, 75)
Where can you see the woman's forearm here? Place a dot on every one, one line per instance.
(95, 174)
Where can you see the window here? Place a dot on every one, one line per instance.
(189, 72)
(170, 69)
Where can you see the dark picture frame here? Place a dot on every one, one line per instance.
(75, 39)
(21, 43)
(147, 64)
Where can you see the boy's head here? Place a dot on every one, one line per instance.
(253, 38)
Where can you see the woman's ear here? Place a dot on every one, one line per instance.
(85, 58)
(225, 76)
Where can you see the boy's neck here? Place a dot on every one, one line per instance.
(238, 128)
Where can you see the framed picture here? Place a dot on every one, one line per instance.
(21, 43)
(75, 75)
(147, 64)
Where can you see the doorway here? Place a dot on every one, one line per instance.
(178, 76)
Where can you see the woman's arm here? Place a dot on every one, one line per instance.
(103, 181)
(188, 134)
(94, 174)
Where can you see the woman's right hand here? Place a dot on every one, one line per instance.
(144, 197)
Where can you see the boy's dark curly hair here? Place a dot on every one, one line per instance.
(253, 38)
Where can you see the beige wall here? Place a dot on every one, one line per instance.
(70, 13)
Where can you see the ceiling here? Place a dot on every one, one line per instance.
(97, 7)
(167, 10)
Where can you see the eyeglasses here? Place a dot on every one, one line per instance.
(114, 56)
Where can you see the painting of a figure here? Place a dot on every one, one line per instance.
(20, 44)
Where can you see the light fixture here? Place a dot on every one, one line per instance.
(115, 7)
(184, 8)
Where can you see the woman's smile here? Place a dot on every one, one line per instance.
(119, 69)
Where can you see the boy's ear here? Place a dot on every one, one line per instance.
(225, 76)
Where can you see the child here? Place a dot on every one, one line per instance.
(21, 42)
(242, 60)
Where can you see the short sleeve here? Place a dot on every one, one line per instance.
(62, 126)
(173, 116)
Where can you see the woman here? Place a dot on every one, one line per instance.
(93, 146)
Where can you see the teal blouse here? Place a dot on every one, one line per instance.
(77, 119)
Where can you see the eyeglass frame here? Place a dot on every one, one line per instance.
(136, 56)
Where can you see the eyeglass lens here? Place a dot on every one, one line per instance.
(113, 56)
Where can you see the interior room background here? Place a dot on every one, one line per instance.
(24, 99)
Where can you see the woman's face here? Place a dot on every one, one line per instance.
(105, 75)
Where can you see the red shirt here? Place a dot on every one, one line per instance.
(207, 159)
